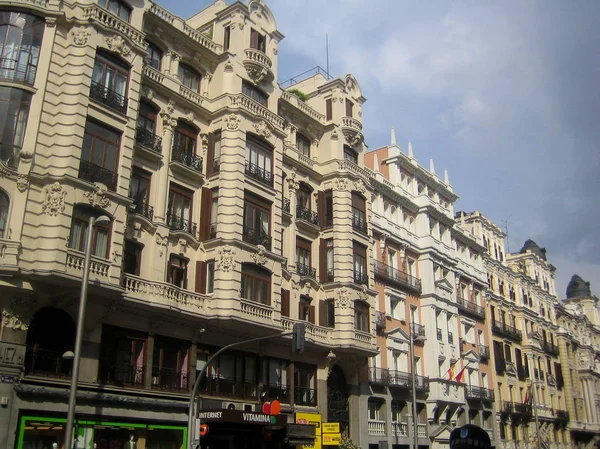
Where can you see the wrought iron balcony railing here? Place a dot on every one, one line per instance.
(305, 396)
(121, 374)
(144, 209)
(399, 379)
(508, 331)
(259, 174)
(517, 408)
(380, 376)
(394, 276)
(187, 158)
(109, 98)
(91, 172)
(255, 237)
(148, 139)
(418, 330)
(361, 278)
(46, 363)
(359, 223)
(177, 223)
(550, 348)
(286, 205)
(230, 387)
(480, 393)
(470, 308)
(484, 352)
(169, 379)
(307, 215)
(9, 154)
(380, 320)
(306, 270)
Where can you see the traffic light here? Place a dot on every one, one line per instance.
(298, 338)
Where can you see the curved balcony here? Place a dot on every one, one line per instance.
(258, 65)
(352, 130)
(306, 270)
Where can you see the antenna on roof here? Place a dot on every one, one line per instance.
(327, 51)
(506, 223)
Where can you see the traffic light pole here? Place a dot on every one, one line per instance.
(299, 327)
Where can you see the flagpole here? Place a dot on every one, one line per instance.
(534, 401)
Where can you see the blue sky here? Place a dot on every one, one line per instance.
(504, 94)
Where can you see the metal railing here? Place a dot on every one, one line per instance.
(469, 307)
(259, 174)
(177, 223)
(418, 330)
(9, 154)
(359, 223)
(397, 277)
(169, 379)
(276, 391)
(144, 209)
(230, 387)
(108, 97)
(361, 278)
(307, 215)
(481, 393)
(187, 158)
(148, 139)
(255, 237)
(305, 396)
(507, 331)
(550, 348)
(121, 374)
(91, 172)
(306, 270)
(517, 408)
(46, 363)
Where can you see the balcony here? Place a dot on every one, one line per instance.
(470, 308)
(306, 270)
(376, 427)
(307, 215)
(399, 429)
(359, 224)
(305, 396)
(352, 130)
(550, 348)
(230, 387)
(258, 66)
(148, 139)
(176, 223)
(484, 352)
(417, 330)
(259, 174)
(94, 173)
(438, 334)
(479, 393)
(9, 154)
(517, 409)
(143, 209)
(169, 379)
(380, 322)
(361, 278)
(46, 363)
(396, 277)
(507, 331)
(255, 237)
(379, 376)
(121, 374)
(286, 205)
(400, 379)
(187, 158)
(108, 98)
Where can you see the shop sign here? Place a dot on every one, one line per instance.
(239, 416)
(332, 439)
(12, 354)
(310, 418)
(330, 427)
(7, 379)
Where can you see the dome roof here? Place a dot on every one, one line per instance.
(578, 288)
(534, 248)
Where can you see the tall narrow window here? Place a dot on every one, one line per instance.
(349, 108)
(20, 42)
(179, 210)
(303, 145)
(303, 260)
(14, 110)
(132, 257)
(139, 191)
(154, 56)
(177, 271)
(257, 41)
(109, 82)
(329, 259)
(79, 230)
(4, 204)
(359, 217)
(327, 313)
(256, 284)
(210, 277)
(306, 310)
(256, 94)
(257, 217)
(350, 155)
(226, 37)
(361, 316)
(99, 155)
(259, 161)
(360, 264)
(328, 109)
(189, 77)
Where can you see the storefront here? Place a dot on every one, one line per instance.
(41, 432)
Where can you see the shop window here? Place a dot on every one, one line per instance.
(256, 284)
(255, 93)
(132, 257)
(303, 145)
(177, 271)
(189, 77)
(14, 111)
(154, 57)
(361, 316)
(257, 41)
(118, 8)
(109, 82)
(4, 206)
(79, 230)
(99, 155)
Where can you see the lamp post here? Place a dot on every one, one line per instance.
(69, 440)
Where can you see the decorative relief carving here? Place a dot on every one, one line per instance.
(260, 256)
(295, 288)
(80, 36)
(364, 294)
(352, 137)
(183, 244)
(238, 20)
(97, 197)
(232, 122)
(22, 183)
(25, 156)
(118, 45)
(359, 186)
(583, 360)
(54, 199)
(262, 129)
(190, 116)
(275, 46)
(204, 143)
(341, 184)
(334, 135)
(116, 255)
(50, 21)
(171, 107)
(228, 66)
(257, 74)
(343, 298)
(226, 258)
(162, 243)
(19, 313)
(147, 92)
(293, 184)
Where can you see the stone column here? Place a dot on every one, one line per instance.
(168, 124)
(175, 58)
(205, 84)
(291, 137)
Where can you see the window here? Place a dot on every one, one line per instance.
(20, 42)
(4, 204)
(210, 277)
(179, 210)
(359, 217)
(122, 356)
(214, 151)
(257, 41)
(257, 217)
(274, 375)
(154, 56)
(328, 109)
(109, 82)
(256, 94)
(303, 197)
(361, 316)
(349, 108)
(117, 7)
(214, 207)
(146, 128)
(327, 313)
(360, 264)
(189, 77)
(398, 308)
(374, 407)
(79, 229)
(14, 110)
(170, 364)
(303, 260)
(184, 146)
(132, 256)
(329, 259)
(306, 311)
(259, 161)
(350, 154)
(256, 284)
(139, 188)
(227, 37)
(305, 377)
(303, 145)
(177, 271)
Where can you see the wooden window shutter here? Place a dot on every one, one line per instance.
(210, 154)
(329, 109)
(285, 303)
(321, 210)
(254, 39)
(200, 277)
(493, 314)
(498, 352)
(311, 314)
(323, 260)
(358, 202)
(205, 206)
(323, 312)
(519, 359)
(349, 106)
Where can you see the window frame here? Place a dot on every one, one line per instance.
(140, 176)
(362, 313)
(189, 77)
(350, 155)
(259, 205)
(106, 4)
(22, 71)
(81, 216)
(176, 191)
(4, 212)
(173, 268)
(100, 137)
(185, 138)
(258, 41)
(255, 93)
(107, 61)
(154, 56)
(136, 253)
(303, 144)
(249, 291)
(12, 137)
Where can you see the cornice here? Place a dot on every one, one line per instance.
(397, 196)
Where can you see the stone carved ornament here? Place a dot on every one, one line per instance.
(54, 199)
(226, 258)
(19, 313)
(293, 184)
(161, 242)
(260, 256)
(97, 197)
(262, 129)
(118, 45)
(22, 183)
(80, 36)
(343, 298)
(360, 186)
(341, 184)
(232, 122)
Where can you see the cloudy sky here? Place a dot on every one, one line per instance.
(505, 94)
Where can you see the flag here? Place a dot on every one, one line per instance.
(451, 371)
(460, 375)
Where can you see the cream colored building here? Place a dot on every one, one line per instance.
(237, 209)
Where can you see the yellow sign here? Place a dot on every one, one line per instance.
(332, 439)
(310, 418)
(331, 427)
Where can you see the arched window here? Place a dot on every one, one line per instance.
(189, 77)
(118, 8)
(256, 284)
(20, 42)
(4, 204)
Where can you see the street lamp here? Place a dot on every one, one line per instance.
(103, 219)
